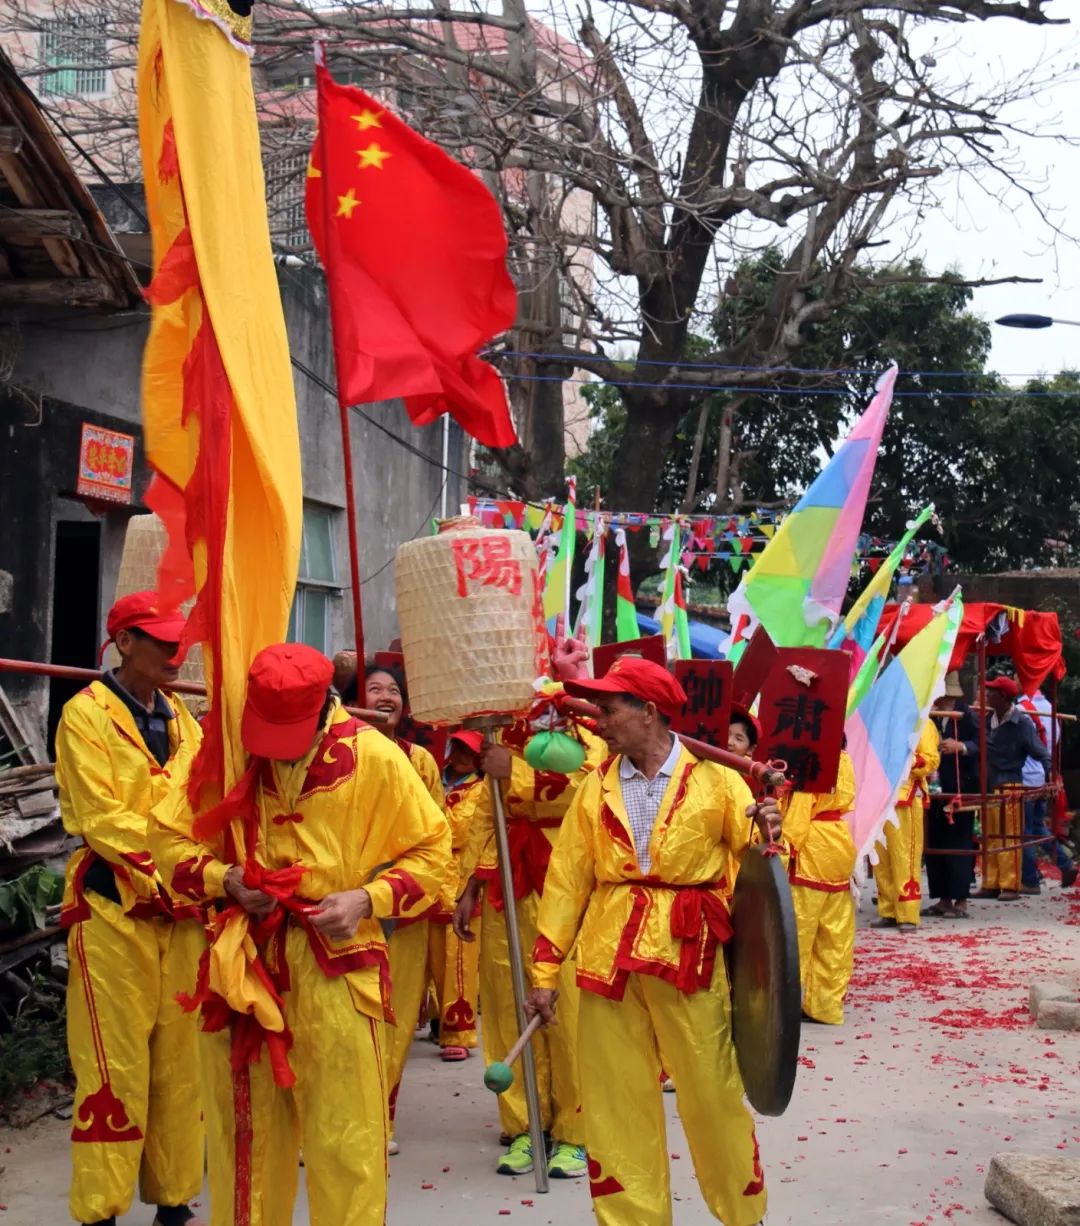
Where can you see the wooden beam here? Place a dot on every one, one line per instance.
(11, 139)
(35, 223)
(61, 292)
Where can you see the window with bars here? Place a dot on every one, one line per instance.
(318, 586)
(286, 184)
(74, 49)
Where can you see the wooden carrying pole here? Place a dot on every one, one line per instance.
(771, 774)
(35, 668)
(517, 965)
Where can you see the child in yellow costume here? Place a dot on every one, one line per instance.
(131, 946)
(454, 964)
(384, 690)
(535, 803)
(338, 835)
(637, 888)
(822, 861)
(898, 872)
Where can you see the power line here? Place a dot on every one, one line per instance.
(959, 394)
(782, 370)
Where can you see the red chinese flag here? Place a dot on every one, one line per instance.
(415, 256)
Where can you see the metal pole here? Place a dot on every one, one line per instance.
(354, 546)
(35, 668)
(983, 775)
(445, 464)
(517, 975)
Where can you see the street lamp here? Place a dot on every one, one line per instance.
(1033, 321)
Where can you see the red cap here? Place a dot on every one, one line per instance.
(287, 686)
(473, 741)
(1004, 685)
(739, 712)
(143, 611)
(632, 675)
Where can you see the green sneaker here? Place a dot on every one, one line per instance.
(568, 1161)
(518, 1159)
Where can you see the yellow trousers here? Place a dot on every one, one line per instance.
(1004, 825)
(898, 872)
(137, 1115)
(454, 967)
(554, 1049)
(826, 923)
(336, 1112)
(622, 1046)
(408, 983)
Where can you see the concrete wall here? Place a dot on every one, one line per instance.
(77, 369)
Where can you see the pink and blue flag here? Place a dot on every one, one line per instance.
(884, 730)
(796, 587)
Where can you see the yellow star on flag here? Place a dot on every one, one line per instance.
(313, 172)
(373, 155)
(367, 119)
(346, 204)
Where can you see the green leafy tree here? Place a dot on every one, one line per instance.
(1002, 465)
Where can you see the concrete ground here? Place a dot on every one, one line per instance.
(895, 1117)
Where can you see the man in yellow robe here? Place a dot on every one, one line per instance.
(454, 964)
(536, 803)
(384, 691)
(898, 872)
(338, 835)
(636, 887)
(822, 861)
(120, 745)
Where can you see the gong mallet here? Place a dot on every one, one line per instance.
(488, 724)
(499, 1076)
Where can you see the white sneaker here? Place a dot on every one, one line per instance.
(392, 1147)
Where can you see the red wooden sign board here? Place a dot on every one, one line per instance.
(756, 663)
(802, 710)
(707, 710)
(651, 648)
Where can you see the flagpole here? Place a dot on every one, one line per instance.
(343, 410)
(354, 543)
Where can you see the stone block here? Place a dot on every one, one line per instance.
(1059, 1015)
(1043, 990)
(7, 588)
(1032, 1190)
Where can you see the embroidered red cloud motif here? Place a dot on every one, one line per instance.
(335, 760)
(103, 1117)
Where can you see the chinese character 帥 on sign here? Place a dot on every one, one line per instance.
(707, 711)
(651, 648)
(106, 464)
(802, 709)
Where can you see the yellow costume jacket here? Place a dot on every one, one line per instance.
(817, 834)
(350, 813)
(109, 781)
(927, 759)
(669, 923)
(463, 800)
(423, 762)
(536, 803)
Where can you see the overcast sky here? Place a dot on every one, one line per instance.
(989, 240)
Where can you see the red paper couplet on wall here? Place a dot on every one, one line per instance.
(707, 710)
(651, 648)
(802, 709)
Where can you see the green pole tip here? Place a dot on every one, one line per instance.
(498, 1077)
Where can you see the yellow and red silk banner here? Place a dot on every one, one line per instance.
(219, 414)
